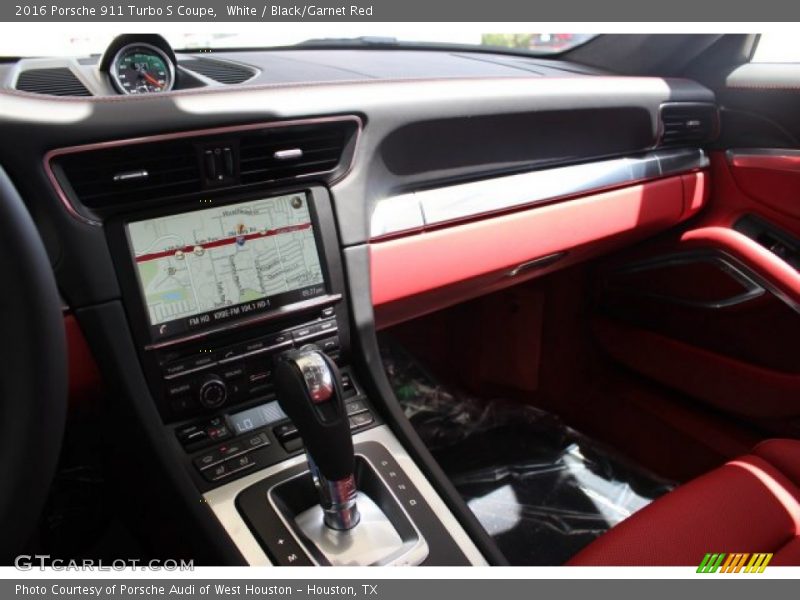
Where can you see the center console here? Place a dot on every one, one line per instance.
(214, 295)
(218, 294)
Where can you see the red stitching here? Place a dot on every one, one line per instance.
(764, 86)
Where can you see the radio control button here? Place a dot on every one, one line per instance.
(279, 339)
(255, 346)
(259, 371)
(176, 368)
(203, 360)
(212, 392)
(260, 376)
(233, 372)
(314, 330)
(229, 354)
(178, 389)
(189, 365)
(330, 344)
(302, 333)
(327, 325)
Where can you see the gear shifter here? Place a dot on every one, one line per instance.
(310, 393)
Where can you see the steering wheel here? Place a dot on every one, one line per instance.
(33, 373)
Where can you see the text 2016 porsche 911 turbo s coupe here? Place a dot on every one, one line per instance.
(367, 302)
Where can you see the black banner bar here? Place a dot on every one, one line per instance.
(152, 11)
(732, 587)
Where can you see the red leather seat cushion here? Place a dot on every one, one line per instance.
(751, 504)
(784, 455)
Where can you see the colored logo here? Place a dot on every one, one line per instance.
(734, 563)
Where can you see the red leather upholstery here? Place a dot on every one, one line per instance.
(751, 504)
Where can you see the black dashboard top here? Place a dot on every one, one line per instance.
(223, 68)
(283, 66)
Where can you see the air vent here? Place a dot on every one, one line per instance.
(122, 174)
(134, 173)
(688, 124)
(220, 71)
(288, 153)
(53, 82)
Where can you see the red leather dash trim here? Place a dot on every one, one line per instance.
(415, 264)
(85, 381)
(696, 191)
(771, 162)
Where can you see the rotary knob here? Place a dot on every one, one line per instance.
(213, 392)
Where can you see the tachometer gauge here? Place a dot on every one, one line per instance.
(142, 69)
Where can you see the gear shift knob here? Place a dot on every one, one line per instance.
(308, 388)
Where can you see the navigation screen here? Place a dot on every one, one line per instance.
(200, 268)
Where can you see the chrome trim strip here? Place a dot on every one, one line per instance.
(288, 154)
(416, 210)
(537, 263)
(75, 213)
(772, 159)
(395, 215)
(222, 500)
(278, 313)
(752, 279)
(417, 552)
(128, 175)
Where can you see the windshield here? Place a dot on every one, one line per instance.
(291, 34)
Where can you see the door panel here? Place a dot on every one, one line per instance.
(713, 309)
(768, 396)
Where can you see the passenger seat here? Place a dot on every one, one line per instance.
(749, 505)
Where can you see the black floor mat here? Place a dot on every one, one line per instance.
(542, 490)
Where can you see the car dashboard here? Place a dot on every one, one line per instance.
(313, 196)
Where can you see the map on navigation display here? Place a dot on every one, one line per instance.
(207, 260)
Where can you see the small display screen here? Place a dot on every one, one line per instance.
(200, 268)
(253, 418)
